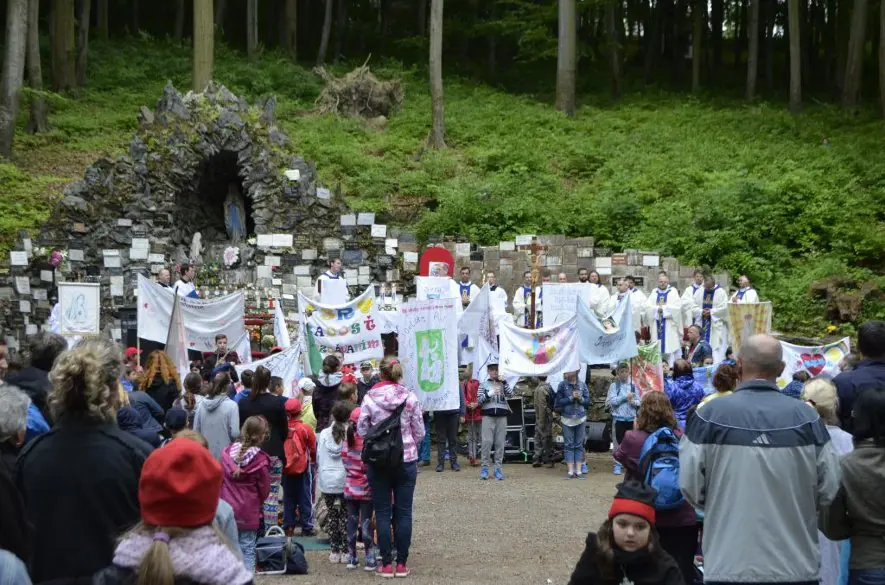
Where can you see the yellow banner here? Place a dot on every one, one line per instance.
(747, 319)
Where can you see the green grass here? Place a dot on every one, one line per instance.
(713, 181)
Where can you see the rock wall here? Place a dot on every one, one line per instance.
(138, 213)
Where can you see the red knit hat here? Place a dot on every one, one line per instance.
(293, 407)
(634, 498)
(180, 484)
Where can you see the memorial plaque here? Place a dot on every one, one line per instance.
(619, 259)
(384, 261)
(352, 257)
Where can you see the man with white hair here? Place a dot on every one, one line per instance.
(14, 530)
(758, 462)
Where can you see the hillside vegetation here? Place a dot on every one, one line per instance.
(716, 182)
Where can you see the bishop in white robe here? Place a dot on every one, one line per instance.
(711, 313)
(663, 313)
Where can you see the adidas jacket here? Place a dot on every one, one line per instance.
(760, 465)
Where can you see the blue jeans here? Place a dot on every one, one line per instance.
(424, 447)
(247, 541)
(402, 485)
(574, 439)
(359, 518)
(866, 577)
(296, 496)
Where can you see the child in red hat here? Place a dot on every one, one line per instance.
(626, 547)
(178, 493)
(301, 455)
(247, 483)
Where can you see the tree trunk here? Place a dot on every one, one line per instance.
(422, 18)
(15, 49)
(753, 52)
(103, 20)
(291, 42)
(614, 49)
(795, 56)
(179, 21)
(437, 139)
(252, 29)
(567, 58)
(83, 19)
(697, 9)
(716, 11)
(39, 119)
(740, 40)
(340, 30)
(882, 55)
(62, 45)
(204, 44)
(854, 64)
(651, 35)
(327, 30)
(220, 13)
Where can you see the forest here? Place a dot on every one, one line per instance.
(736, 134)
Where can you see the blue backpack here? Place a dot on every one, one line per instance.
(659, 463)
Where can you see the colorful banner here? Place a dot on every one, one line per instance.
(428, 349)
(648, 369)
(203, 318)
(349, 329)
(704, 377)
(816, 360)
(435, 287)
(558, 300)
(286, 364)
(538, 352)
(746, 320)
(606, 339)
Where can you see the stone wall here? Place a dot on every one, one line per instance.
(138, 213)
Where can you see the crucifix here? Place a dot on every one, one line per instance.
(535, 252)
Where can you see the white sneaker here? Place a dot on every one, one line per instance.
(334, 558)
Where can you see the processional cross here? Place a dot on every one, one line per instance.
(535, 252)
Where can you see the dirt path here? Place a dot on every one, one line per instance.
(528, 529)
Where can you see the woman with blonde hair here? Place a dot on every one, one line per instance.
(161, 380)
(176, 542)
(821, 394)
(80, 480)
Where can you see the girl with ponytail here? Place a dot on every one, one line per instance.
(176, 543)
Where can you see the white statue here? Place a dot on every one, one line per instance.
(235, 214)
(197, 249)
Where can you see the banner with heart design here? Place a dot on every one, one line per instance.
(815, 360)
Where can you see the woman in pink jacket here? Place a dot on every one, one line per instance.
(380, 402)
(247, 483)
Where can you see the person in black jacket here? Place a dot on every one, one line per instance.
(626, 547)
(261, 402)
(326, 393)
(43, 349)
(161, 380)
(15, 533)
(366, 380)
(130, 421)
(80, 480)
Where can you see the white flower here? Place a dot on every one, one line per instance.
(231, 255)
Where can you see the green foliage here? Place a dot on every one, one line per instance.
(711, 181)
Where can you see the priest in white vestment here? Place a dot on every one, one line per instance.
(522, 300)
(711, 313)
(335, 272)
(746, 293)
(637, 301)
(688, 299)
(663, 313)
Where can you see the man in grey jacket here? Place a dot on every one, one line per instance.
(760, 465)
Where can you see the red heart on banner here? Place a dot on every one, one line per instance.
(814, 363)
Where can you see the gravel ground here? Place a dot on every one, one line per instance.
(528, 529)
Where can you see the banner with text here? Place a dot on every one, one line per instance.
(435, 287)
(538, 352)
(428, 350)
(286, 364)
(203, 318)
(606, 339)
(647, 368)
(349, 328)
(746, 320)
(558, 301)
(816, 360)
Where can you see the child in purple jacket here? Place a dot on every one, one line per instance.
(247, 483)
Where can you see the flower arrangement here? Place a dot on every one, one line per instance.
(231, 256)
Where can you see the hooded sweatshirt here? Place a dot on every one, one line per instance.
(324, 396)
(684, 392)
(197, 557)
(379, 404)
(330, 467)
(130, 421)
(639, 568)
(218, 419)
(247, 491)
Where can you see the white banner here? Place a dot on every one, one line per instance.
(606, 339)
(203, 318)
(79, 305)
(816, 360)
(280, 329)
(558, 301)
(538, 352)
(286, 365)
(478, 320)
(176, 343)
(349, 328)
(435, 287)
(428, 349)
